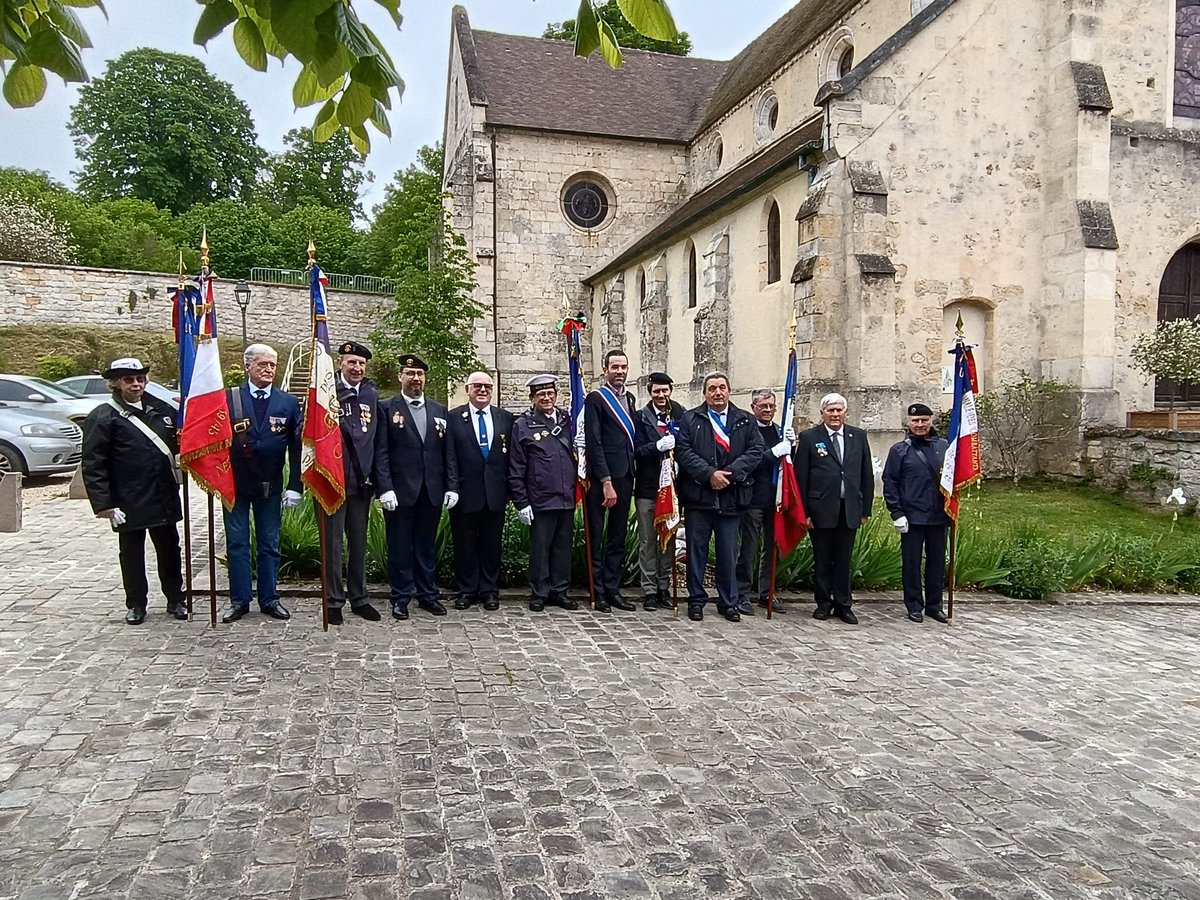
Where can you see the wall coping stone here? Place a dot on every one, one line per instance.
(1098, 432)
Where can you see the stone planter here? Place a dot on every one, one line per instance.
(1165, 420)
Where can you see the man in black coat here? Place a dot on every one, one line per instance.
(346, 529)
(718, 450)
(758, 519)
(657, 424)
(837, 485)
(418, 476)
(130, 476)
(608, 432)
(481, 433)
(912, 492)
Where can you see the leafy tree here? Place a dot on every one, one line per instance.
(1170, 352)
(239, 236)
(157, 126)
(626, 35)
(343, 64)
(31, 234)
(1024, 418)
(329, 174)
(330, 229)
(405, 222)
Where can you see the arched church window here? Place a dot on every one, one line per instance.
(773, 248)
(641, 284)
(766, 116)
(1179, 298)
(1187, 58)
(587, 201)
(845, 62)
(692, 295)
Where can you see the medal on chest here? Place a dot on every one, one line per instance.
(364, 416)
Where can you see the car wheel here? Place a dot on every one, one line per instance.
(11, 461)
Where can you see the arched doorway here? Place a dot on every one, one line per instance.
(1179, 298)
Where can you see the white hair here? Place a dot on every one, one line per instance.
(830, 399)
(761, 394)
(254, 351)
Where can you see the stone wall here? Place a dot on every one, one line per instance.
(1146, 465)
(37, 294)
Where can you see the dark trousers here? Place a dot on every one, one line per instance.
(608, 549)
(346, 543)
(477, 537)
(411, 550)
(832, 549)
(754, 553)
(132, 548)
(701, 525)
(550, 545)
(928, 541)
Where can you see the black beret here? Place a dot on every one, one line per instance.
(919, 409)
(354, 348)
(412, 361)
(658, 378)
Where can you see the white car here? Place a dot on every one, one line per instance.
(40, 395)
(97, 386)
(35, 443)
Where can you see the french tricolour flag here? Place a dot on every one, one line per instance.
(962, 465)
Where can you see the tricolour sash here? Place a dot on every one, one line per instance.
(618, 411)
(720, 435)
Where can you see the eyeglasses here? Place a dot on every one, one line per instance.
(480, 387)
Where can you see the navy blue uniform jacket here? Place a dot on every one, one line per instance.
(609, 451)
(404, 462)
(910, 484)
(698, 456)
(258, 455)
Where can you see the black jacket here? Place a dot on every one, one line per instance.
(698, 456)
(819, 476)
(609, 451)
(123, 469)
(258, 453)
(482, 483)
(763, 494)
(359, 423)
(404, 462)
(541, 468)
(649, 459)
(911, 484)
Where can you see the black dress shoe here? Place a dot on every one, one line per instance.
(367, 611)
(650, 604)
(777, 608)
(234, 613)
(938, 616)
(537, 604)
(177, 611)
(665, 601)
(277, 611)
(822, 614)
(136, 616)
(462, 601)
(732, 614)
(491, 602)
(400, 611)
(847, 616)
(745, 608)
(696, 613)
(335, 617)
(562, 601)
(915, 617)
(433, 607)
(602, 605)
(621, 603)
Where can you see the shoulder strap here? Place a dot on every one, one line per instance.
(143, 428)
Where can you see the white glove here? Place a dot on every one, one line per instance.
(117, 517)
(388, 501)
(782, 449)
(789, 434)
(666, 442)
(901, 525)
(450, 500)
(291, 499)
(526, 515)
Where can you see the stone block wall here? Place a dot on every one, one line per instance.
(1145, 465)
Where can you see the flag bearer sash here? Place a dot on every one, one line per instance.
(617, 410)
(720, 434)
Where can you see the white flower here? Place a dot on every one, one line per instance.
(1176, 497)
(877, 466)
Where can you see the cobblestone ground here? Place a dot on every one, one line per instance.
(1029, 752)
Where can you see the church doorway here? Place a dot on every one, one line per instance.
(1179, 298)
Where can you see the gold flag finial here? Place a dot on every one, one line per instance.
(792, 332)
(204, 263)
(181, 270)
(312, 252)
(958, 326)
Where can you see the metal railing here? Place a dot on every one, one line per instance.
(366, 284)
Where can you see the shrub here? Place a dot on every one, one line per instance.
(1020, 419)
(55, 367)
(1038, 565)
(875, 563)
(1145, 564)
(233, 376)
(978, 563)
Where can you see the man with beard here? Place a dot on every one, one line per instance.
(657, 424)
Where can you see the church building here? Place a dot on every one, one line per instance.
(859, 176)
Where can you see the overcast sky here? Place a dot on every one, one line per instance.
(37, 138)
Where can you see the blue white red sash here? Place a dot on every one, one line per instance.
(618, 410)
(720, 433)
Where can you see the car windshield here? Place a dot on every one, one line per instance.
(57, 391)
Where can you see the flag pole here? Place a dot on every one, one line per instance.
(181, 335)
(959, 345)
(320, 513)
(205, 275)
(674, 575)
(783, 417)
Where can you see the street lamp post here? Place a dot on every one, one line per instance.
(241, 293)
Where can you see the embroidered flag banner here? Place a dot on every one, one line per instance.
(321, 466)
(963, 464)
(791, 521)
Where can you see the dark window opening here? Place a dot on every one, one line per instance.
(773, 249)
(691, 283)
(1187, 58)
(845, 62)
(1179, 298)
(586, 204)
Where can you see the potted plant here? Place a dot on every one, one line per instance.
(1171, 351)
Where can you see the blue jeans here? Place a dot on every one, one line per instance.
(267, 512)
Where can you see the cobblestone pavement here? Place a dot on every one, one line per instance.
(1028, 752)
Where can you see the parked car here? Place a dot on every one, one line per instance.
(28, 392)
(96, 386)
(37, 443)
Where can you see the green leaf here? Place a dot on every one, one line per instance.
(355, 104)
(249, 44)
(379, 119)
(53, 50)
(293, 24)
(587, 29)
(24, 85)
(307, 90)
(393, 8)
(66, 20)
(609, 48)
(270, 42)
(325, 124)
(360, 139)
(343, 25)
(98, 4)
(213, 20)
(650, 17)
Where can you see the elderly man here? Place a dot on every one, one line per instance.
(481, 433)
(609, 435)
(837, 485)
(718, 449)
(346, 529)
(541, 481)
(418, 476)
(131, 480)
(758, 518)
(913, 495)
(266, 433)
(657, 424)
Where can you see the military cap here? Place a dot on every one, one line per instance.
(354, 348)
(919, 409)
(658, 378)
(412, 361)
(538, 382)
(129, 365)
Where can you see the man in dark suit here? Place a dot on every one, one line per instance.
(418, 475)
(346, 529)
(266, 432)
(718, 449)
(837, 485)
(758, 519)
(657, 424)
(480, 433)
(609, 438)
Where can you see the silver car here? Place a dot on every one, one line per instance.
(97, 386)
(40, 395)
(37, 443)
